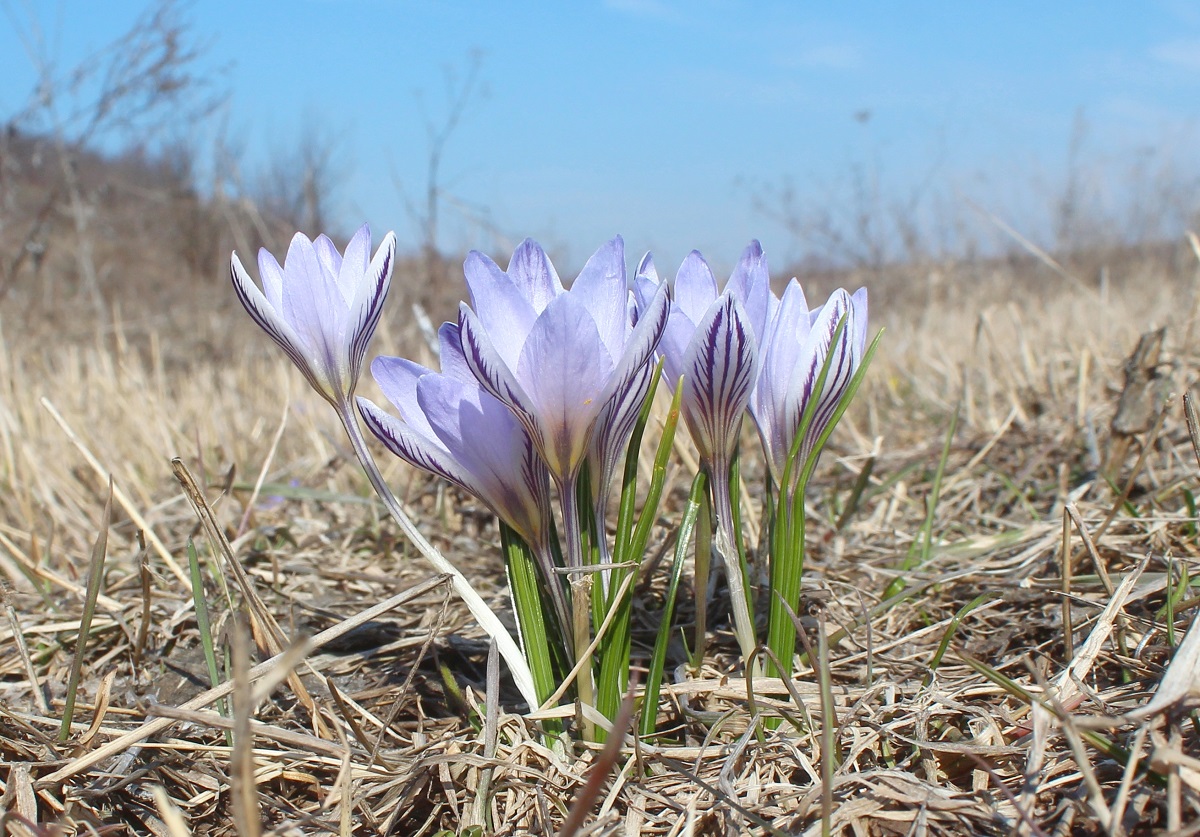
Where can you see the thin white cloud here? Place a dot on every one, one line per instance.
(1183, 54)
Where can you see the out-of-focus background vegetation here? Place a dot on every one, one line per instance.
(143, 142)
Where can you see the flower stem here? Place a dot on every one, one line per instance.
(726, 541)
(569, 498)
(581, 593)
(483, 614)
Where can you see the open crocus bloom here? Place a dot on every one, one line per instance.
(321, 306)
(556, 357)
(796, 345)
(451, 427)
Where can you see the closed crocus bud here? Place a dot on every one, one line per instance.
(711, 340)
(797, 343)
(321, 306)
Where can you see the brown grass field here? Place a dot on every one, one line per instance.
(1062, 513)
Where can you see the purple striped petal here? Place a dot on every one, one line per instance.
(642, 342)
(841, 367)
(614, 426)
(371, 289)
(750, 283)
(270, 321)
(492, 372)
(411, 446)
(719, 373)
(450, 353)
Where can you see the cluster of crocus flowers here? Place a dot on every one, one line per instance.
(541, 383)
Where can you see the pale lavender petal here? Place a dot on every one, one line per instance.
(370, 290)
(858, 303)
(674, 344)
(354, 264)
(695, 287)
(534, 275)
(268, 318)
(413, 447)
(564, 368)
(602, 290)
(331, 264)
(646, 268)
(272, 278)
(493, 373)
(751, 284)
(397, 378)
(645, 283)
(781, 355)
(314, 307)
(500, 304)
(719, 373)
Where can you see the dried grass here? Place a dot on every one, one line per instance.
(361, 733)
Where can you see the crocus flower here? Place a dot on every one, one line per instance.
(451, 427)
(712, 341)
(321, 306)
(794, 351)
(556, 357)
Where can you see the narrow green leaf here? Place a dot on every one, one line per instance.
(91, 595)
(787, 537)
(531, 611)
(952, 628)
(658, 660)
(204, 628)
(645, 523)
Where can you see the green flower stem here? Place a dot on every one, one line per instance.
(487, 619)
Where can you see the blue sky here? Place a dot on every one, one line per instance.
(668, 122)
